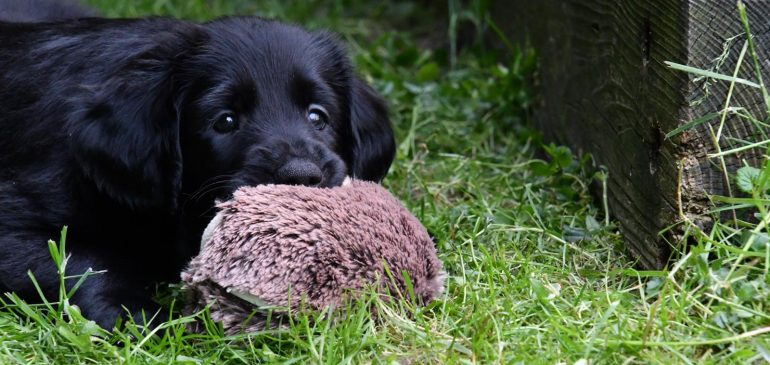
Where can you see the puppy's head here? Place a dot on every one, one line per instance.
(236, 101)
(264, 102)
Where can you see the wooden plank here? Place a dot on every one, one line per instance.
(604, 89)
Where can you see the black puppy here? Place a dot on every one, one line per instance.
(128, 130)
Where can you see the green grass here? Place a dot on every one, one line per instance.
(537, 272)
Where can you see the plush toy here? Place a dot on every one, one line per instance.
(281, 249)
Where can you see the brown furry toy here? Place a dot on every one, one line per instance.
(275, 250)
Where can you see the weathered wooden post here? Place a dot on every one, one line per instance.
(605, 89)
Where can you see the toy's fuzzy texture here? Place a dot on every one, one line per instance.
(294, 248)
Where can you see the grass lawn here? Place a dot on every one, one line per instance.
(537, 273)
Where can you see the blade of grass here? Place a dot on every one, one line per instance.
(710, 74)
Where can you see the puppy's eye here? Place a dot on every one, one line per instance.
(317, 115)
(226, 123)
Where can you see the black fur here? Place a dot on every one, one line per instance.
(114, 128)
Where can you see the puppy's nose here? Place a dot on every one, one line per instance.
(299, 172)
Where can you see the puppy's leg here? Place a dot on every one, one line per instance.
(106, 297)
(101, 298)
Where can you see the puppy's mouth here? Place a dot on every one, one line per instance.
(303, 172)
(296, 171)
(326, 178)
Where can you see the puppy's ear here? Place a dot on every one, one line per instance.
(126, 133)
(373, 145)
